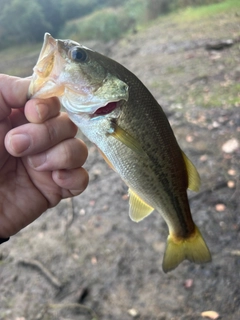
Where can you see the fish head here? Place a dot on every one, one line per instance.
(76, 75)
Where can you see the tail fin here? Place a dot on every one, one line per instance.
(193, 249)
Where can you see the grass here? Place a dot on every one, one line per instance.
(19, 60)
(197, 13)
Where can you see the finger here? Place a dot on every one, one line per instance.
(13, 93)
(4, 127)
(73, 182)
(31, 138)
(39, 110)
(69, 154)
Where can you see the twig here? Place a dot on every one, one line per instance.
(44, 270)
(77, 306)
(70, 216)
(218, 186)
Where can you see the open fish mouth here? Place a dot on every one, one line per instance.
(102, 111)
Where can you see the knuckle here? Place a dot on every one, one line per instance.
(51, 131)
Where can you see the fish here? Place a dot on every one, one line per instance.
(115, 111)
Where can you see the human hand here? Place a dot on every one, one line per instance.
(40, 160)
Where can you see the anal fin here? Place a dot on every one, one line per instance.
(138, 209)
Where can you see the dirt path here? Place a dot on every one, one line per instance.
(87, 256)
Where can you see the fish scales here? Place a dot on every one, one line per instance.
(117, 112)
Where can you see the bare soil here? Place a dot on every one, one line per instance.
(85, 259)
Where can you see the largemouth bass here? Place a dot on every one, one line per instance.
(116, 111)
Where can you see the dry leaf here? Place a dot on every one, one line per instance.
(210, 314)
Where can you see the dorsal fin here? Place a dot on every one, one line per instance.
(138, 209)
(193, 176)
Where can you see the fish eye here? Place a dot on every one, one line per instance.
(78, 54)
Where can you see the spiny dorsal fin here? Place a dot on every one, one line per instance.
(138, 209)
(193, 176)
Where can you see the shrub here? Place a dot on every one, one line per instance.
(105, 24)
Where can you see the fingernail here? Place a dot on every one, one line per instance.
(63, 174)
(37, 160)
(41, 111)
(20, 142)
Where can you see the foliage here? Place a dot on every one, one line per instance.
(190, 13)
(72, 9)
(105, 25)
(23, 21)
(158, 7)
(17, 23)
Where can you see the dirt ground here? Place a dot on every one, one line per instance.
(85, 259)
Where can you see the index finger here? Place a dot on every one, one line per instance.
(13, 93)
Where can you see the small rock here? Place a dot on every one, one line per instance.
(230, 146)
(231, 184)
(133, 312)
(210, 314)
(232, 172)
(125, 197)
(189, 138)
(220, 207)
(82, 212)
(94, 260)
(188, 283)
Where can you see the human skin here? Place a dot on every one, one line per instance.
(40, 158)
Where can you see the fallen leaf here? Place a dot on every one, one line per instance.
(210, 314)
(230, 146)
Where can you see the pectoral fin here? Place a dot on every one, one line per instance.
(123, 136)
(138, 209)
(193, 176)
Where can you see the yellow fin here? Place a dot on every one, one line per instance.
(138, 209)
(193, 249)
(122, 135)
(193, 176)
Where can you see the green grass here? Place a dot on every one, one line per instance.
(220, 95)
(196, 13)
